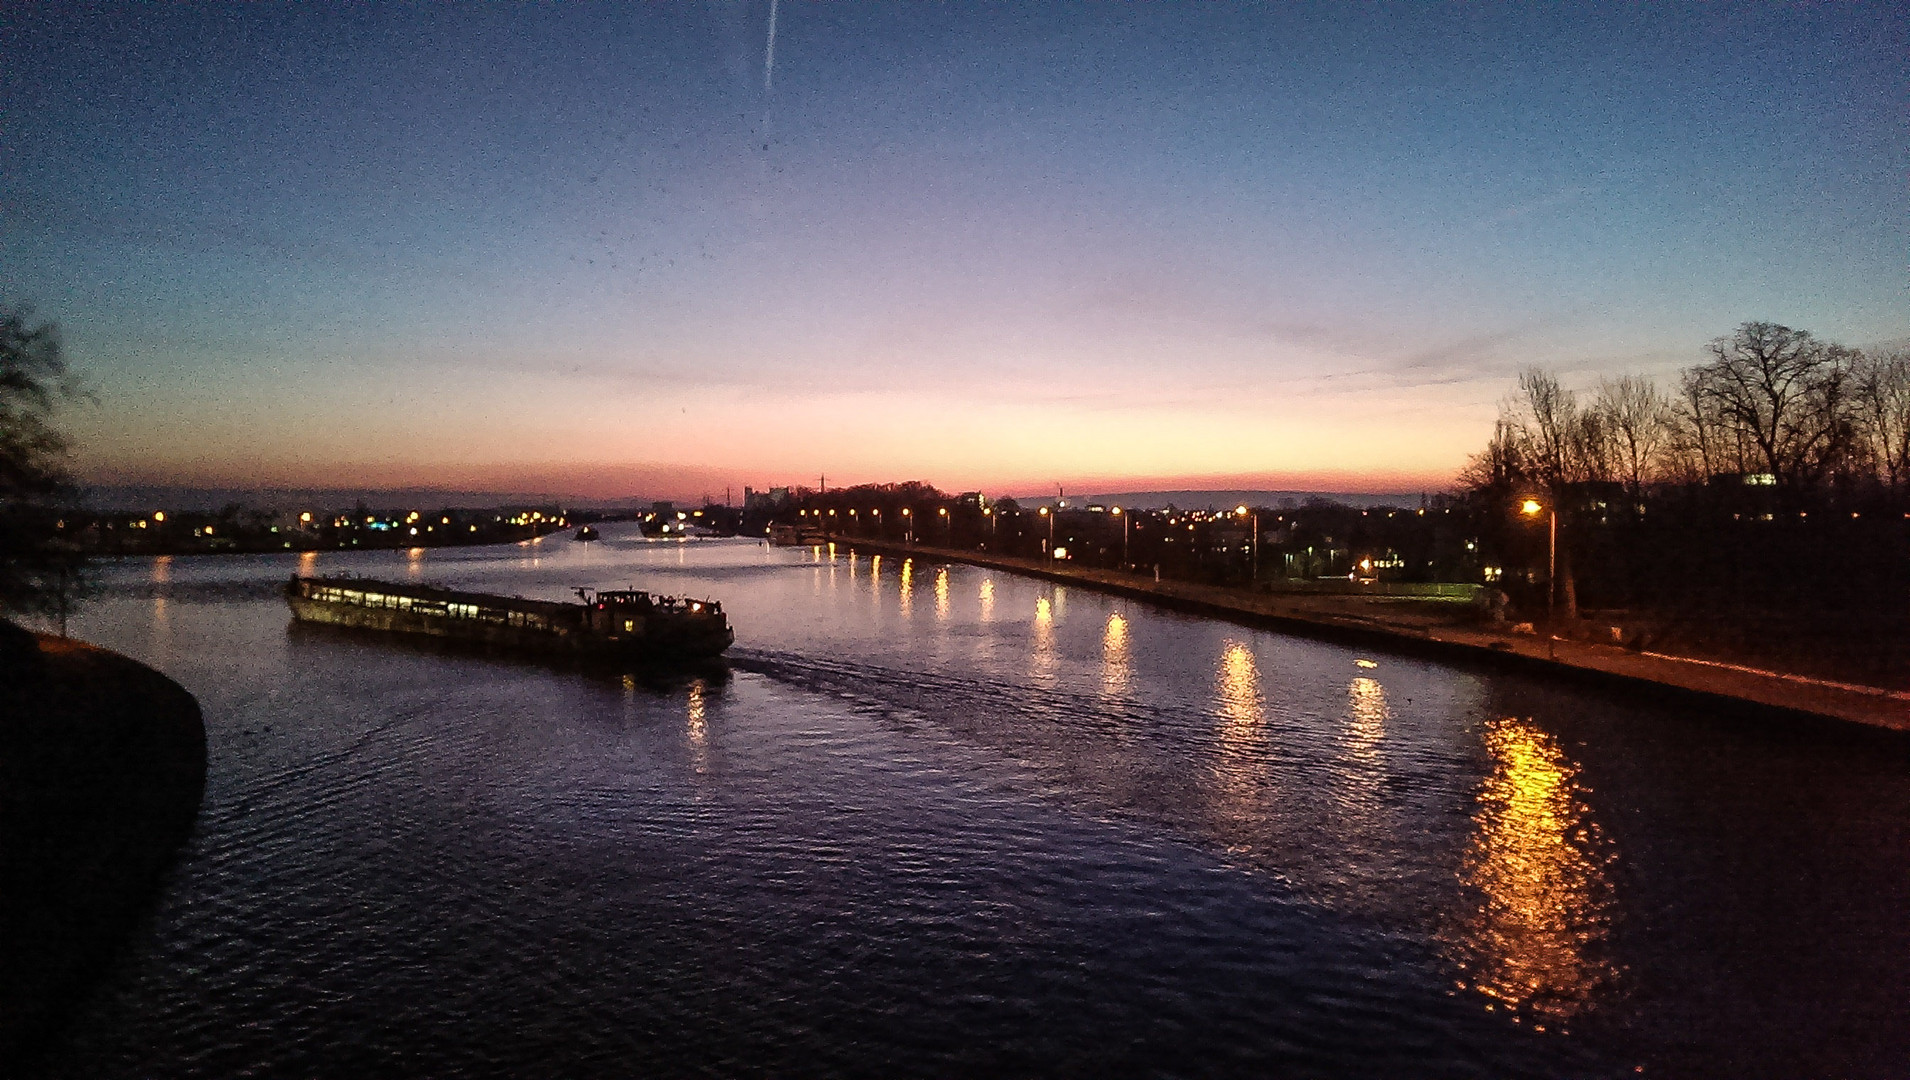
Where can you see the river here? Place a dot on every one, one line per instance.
(940, 821)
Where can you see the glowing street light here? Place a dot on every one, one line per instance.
(1045, 512)
(1532, 508)
(1254, 516)
(1124, 520)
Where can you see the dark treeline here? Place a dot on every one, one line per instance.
(1759, 507)
(1757, 511)
(1310, 544)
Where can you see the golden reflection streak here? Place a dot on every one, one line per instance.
(1536, 861)
(941, 595)
(1366, 703)
(1115, 663)
(908, 587)
(1042, 660)
(698, 727)
(1241, 770)
(988, 599)
(162, 619)
(1242, 709)
(875, 584)
(1358, 808)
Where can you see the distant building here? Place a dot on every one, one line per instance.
(765, 502)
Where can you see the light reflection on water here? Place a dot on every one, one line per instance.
(1004, 822)
(1244, 795)
(698, 730)
(1536, 864)
(1042, 661)
(1115, 663)
(1367, 712)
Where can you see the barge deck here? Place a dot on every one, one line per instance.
(625, 624)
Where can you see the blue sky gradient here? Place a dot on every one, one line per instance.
(585, 248)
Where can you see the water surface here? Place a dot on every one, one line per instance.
(945, 821)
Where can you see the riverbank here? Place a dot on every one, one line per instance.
(129, 544)
(1440, 629)
(102, 768)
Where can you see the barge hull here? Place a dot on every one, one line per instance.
(545, 631)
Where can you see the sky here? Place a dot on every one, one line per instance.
(606, 250)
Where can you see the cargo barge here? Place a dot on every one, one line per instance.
(624, 625)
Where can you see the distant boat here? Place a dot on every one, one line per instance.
(585, 534)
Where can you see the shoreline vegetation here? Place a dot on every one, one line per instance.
(1445, 630)
(102, 770)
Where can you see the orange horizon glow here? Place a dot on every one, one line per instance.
(586, 480)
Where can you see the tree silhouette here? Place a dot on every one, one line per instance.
(40, 573)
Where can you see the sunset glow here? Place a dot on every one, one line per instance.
(596, 251)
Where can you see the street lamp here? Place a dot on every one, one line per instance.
(1254, 517)
(908, 527)
(1532, 508)
(1124, 519)
(948, 527)
(1049, 514)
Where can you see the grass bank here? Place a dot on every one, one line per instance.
(102, 768)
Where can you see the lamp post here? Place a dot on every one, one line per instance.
(1124, 519)
(908, 527)
(1531, 508)
(948, 527)
(1254, 517)
(1049, 514)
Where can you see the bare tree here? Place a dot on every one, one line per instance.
(1784, 394)
(1549, 415)
(1637, 421)
(1504, 464)
(1544, 440)
(1883, 407)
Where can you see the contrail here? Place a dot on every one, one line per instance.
(769, 55)
(769, 70)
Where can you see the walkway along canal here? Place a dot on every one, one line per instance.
(1431, 628)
